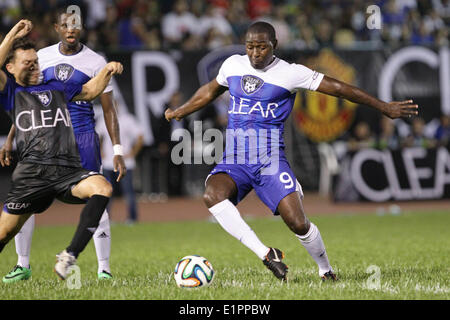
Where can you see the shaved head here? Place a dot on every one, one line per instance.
(260, 42)
(263, 27)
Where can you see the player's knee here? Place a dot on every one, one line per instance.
(104, 189)
(213, 197)
(302, 228)
(3, 236)
(6, 235)
(208, 199)
(299, 226)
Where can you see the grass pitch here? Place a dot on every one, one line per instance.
(376, 257)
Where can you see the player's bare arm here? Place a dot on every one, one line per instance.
(112, 125)
(94, 87)
(201, 98)
(21, 29)
(6, 149)
(395, 109)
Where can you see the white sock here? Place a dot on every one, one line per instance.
(229, 218)
(23, 242)
(102, 242)
(313, 243)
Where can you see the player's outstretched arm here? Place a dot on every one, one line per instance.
(21, 29)
(201, 98)
(395, 109)
(94, 87)
(6, 149)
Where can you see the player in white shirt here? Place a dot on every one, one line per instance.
(72, 62)
(262, 92)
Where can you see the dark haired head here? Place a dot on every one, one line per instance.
(59, 12)
(260, 43)
(21, 43)
(263, 27)
(69, 28)
(22, 62)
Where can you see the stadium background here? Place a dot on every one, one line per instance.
(407, 58)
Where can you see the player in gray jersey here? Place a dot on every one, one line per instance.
(71, 61)
(49, 162)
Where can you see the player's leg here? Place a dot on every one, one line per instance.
(10, 224)
(220, 188)
(102, 244)
(127, 188)
(282, 193)
(29, 194)
(97, 190)
(111, 176)
(89, 148)
(23, 242)
(22, 270)
(293, 214)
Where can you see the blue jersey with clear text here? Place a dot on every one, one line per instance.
(260, 103)
(77, 68)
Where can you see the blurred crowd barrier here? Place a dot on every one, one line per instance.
(211, 24)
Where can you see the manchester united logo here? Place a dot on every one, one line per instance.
(319, 116)
(251, 84)
(63, 71)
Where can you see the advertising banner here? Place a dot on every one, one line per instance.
(422, 74)
(151, 78)
(384, 175)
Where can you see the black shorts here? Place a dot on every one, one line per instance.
(35, 186)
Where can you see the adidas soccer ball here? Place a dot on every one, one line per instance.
(193, 271)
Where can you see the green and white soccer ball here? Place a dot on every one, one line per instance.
(193, 271)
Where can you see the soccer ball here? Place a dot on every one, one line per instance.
(193, 271)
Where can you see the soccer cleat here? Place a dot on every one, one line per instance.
(17, 274)
(64, 261)
(273, 262)
(104, 275)
(330, 275)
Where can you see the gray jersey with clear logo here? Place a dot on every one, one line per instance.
(44, 133)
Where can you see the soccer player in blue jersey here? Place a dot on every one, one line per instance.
(72, 62)
(49, 164)
(262, 88)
